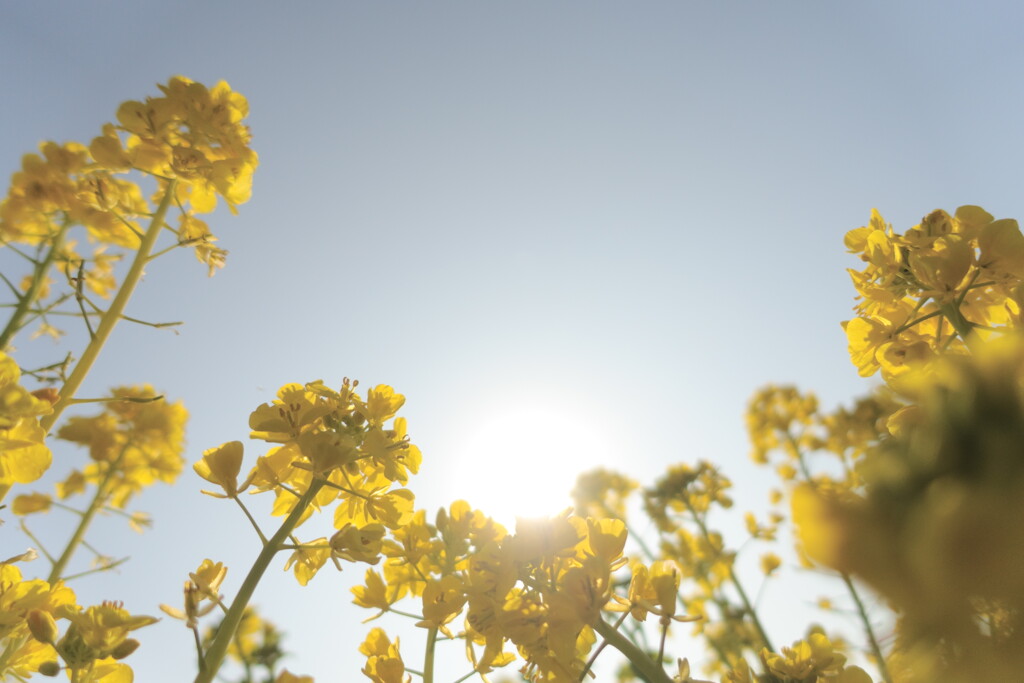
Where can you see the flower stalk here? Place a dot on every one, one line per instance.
(114, 313)
(219, 647)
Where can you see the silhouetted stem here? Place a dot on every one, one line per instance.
(651, 670)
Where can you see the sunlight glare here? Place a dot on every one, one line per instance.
(523, 462)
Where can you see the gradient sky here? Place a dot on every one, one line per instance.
(628, 215)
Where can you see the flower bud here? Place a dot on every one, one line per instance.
(127, 646)
(48, 394)
(42, 626)
(50, 668)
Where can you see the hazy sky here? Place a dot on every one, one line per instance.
(609, 221)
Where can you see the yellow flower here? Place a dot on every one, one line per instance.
(308, 559)
(23, 455)
(806, 660)
(655, 590)
(381, 404)
(358, 544)
(606, 539)
(133, 442)
(543, 537)
(443, 600)
(383, 661)
(296, 410)
(31, 503)
(769, 563)
(374, 595)
(941, 267)
(97, 633)
(221, 466)
(392, 509)
(203, 585)
(1001, 249)
(601, 493)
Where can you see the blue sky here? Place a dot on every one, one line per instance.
(626, 214)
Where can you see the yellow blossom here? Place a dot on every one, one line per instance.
(221, 466)
(358, 544)
(31, 503)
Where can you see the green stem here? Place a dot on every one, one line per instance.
(428, 659)
(38, 279)
(962, 326)
(915, 321)
(651, 670)
(747, 605)
(219, 647)
(750, 610)
(113, 314)
(600, 648)
(876, 650)
(97, 503)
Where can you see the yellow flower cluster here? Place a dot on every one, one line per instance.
(194, 134)
(542, 588)
(336, 449)
(922, 293)
(191, 141)
(940, 531)
(66, 184)
(680, 503)
(602, 493)
(94, 641)
(783, 421)
(136, 441)
(931, 515)
(808, 661)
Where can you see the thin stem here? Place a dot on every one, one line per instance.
(750, 610)
(219, 647)
(970, 285)
(97, 503)
(868, 630)
(604, 643)
(104, 568)
(736, 583)
(26, 300)
(915, 321)
(876, 650)
(199, 646)
(96, 310)
(32, 537)
(10, 286)
(428, 659)
(251, 520)
(113, 314)
(80, 298)
(410, 615)
(651, 670)
(962, 326)
(19, 252)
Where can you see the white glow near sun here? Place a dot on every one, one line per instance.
(523, 462)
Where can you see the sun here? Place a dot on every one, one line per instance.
(523, 461)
